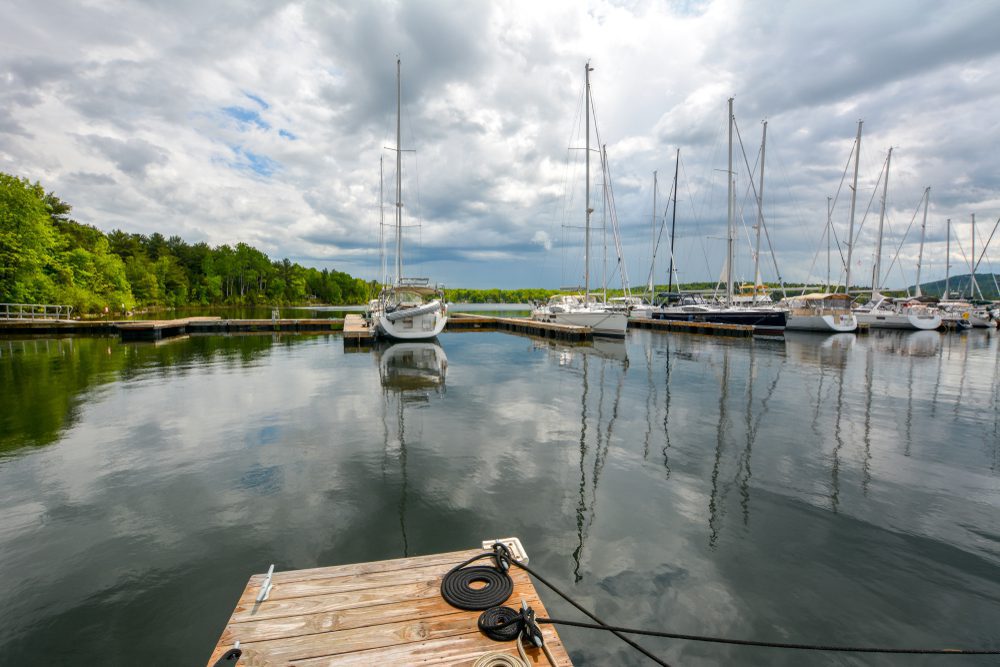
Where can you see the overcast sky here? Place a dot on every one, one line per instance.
(264, 122)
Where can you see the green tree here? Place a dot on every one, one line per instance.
(26, 242)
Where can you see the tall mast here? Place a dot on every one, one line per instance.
(381, 221)
(973, 285)
(854, 198)
(829, 225)
(760, 214)
(652, 264)
(877, 272)
(587, 69)
(399, 179)
(729, 214)
(923, 231)
(673, 224)
(604, 219)
(947, 261)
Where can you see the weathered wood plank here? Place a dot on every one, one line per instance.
(355, 569)
(384, 613)
(345, 600)
(276, 627)
(283, 590)
(356, 327)
(458, 650)
(248, 609)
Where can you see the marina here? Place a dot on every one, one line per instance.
(302, 307)
(666, 471)
(358, 333)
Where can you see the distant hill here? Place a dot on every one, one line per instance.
(961, 284)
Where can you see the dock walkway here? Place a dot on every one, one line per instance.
(380, 613)
(710, 328)
(521, 325)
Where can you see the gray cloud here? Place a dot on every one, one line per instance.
(492, 97)
(131, 156)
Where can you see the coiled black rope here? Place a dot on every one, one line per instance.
(457, 589)
(501, 624)
(785, 645)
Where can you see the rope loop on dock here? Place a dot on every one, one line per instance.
(501, 624)
(497, 586)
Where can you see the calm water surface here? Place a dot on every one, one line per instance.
(830, 489)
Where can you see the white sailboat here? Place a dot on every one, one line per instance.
(586, 309)
(907, 314)
(409, 308)
(884, 313)
(830, 313)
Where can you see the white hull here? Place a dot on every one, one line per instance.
(825, 323)
(891, 320)
(603, 322)
(419, 327)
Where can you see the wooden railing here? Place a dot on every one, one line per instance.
(34, 311)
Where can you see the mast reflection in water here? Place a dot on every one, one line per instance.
(410, 373)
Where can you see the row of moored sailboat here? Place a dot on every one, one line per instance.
(412, 308)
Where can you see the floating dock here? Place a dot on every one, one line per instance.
(357, 333)
(519, 325)
(159, 329)
(153, 330)
(709, 328)
(380, 613)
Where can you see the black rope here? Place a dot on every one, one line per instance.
(501, 624)
(564, 596)
(618, 630)
(457, 589)
(785, 645)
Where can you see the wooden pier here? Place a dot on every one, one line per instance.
(519, 325)
(158, 329)
(380, 613)
(357, 333)
(708, 328)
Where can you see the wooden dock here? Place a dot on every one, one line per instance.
(381, 613)
(159, 329)
(357, 333)
(708, 328)
(519, 325)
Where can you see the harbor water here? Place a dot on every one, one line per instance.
(831, 489)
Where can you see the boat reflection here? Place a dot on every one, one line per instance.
(412, 369)
(810, 348)
(410, 373)
(905, 343)
(607, 348)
